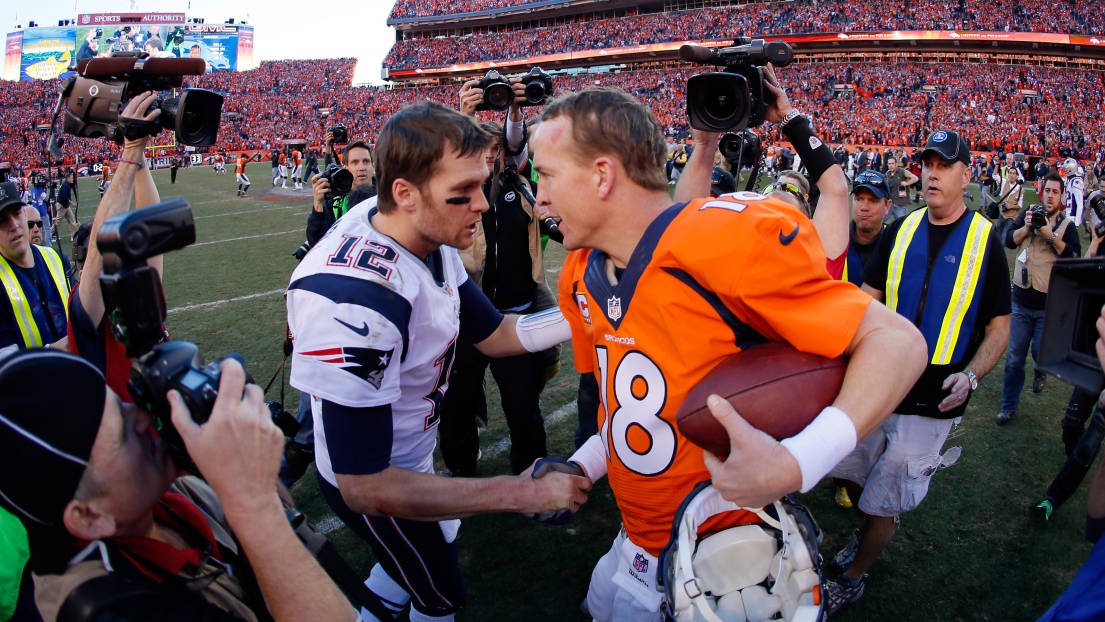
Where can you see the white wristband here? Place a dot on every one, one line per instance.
(822, 445)
(542, 330)
(591, 457)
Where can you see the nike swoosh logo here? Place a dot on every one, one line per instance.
(787, 239)
(362, 331)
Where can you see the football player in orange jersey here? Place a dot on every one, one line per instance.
(297, 169)
(240, 175)
(657, 295)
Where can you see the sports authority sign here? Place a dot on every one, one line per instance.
(128, 19)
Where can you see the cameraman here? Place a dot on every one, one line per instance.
(80, 468)
(89, 335)
(357, 159)
(506, 261)
(1041, 234)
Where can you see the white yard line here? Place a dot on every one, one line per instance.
(201, 305)
(252, 211)
(551, 419)
(249, 237)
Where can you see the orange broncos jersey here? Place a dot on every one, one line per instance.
(297, 158)
(283, 159)
(707, 279)
(218, 159)
(241, 166)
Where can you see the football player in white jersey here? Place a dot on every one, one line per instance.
(375, 310)
(1075, 189)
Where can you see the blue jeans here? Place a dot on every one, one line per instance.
(1025, 326)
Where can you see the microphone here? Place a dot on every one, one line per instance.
(699, 54)
(118, 66)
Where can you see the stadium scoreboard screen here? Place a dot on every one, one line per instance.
(48, 53)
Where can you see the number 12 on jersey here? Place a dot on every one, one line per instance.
(634, 433)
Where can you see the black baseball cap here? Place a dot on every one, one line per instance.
(9, 196)
(46, 439)
(948, 145)
(873, 181)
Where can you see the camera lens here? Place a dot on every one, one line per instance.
(535, 92)
(718, 101)
(499, 96)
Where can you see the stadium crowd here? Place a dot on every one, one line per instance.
(886, 105)
(804, 16)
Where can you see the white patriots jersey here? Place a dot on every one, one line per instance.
(1072, 198)
(373, 326)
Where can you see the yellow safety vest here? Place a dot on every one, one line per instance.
(942, 300)
(32, 337)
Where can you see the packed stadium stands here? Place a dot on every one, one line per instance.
(776, 18)
(888, 104)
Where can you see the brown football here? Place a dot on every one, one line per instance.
(776, 388)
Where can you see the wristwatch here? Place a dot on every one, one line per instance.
(972, 379)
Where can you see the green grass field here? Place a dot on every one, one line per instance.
(972, 551)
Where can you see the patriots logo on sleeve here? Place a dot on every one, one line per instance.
(364, 363)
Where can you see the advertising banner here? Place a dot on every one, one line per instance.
(217, 45)
(245, 48)
(13, 52)
(129, 19)
(47, 53)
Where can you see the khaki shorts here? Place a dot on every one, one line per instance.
(896, 463)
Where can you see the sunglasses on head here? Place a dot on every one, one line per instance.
(786, 187)
(873, 180)
(31, 224)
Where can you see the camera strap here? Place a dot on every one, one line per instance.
(133, 129)
(279, 370)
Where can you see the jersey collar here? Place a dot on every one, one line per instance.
(618, 297)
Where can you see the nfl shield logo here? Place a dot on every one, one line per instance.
(614, 308)
(640, 563)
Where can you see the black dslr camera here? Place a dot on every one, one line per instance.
(734, 99)
(340, 134)
(741, 149)
(95, 98)
(136, 312)
(341, 180)
(1036, 217)
(1096, 201)
(539, 87)
(498, 93)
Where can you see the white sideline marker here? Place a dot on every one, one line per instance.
(248, 237)
(201, 305)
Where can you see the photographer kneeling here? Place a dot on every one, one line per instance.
(114, 534)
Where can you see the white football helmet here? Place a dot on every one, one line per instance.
(1071, 166)
(747, 573)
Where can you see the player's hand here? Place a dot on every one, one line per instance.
(781, 106)
(540, 469)
(470, 97)
(554, 490)
(238, 449)
(758, 470)
(320, 187)
(960, 387)
(139, 108)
